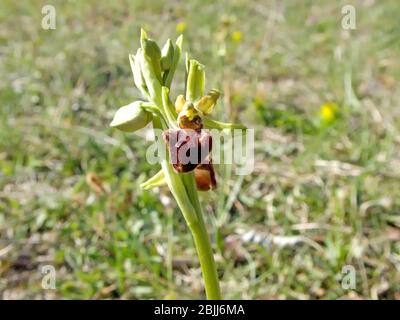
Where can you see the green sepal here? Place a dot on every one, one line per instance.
(206, 103)
(214, 124)
(195, 81)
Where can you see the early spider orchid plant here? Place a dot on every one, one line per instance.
(183, 125)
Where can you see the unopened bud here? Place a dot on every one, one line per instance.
(152, 49)
(153, 52)
(167, 55)
(137, 74)
(131, 117)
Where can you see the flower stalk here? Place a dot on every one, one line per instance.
(153, 70)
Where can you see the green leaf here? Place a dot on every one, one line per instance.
(155, 181)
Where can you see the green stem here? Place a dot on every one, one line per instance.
(167, 109)
(190, 206)
(202, 243)
(184, 191)
(206, 258)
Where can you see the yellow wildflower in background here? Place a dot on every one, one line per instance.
(181, 27)
(328, 112)
(236, 36)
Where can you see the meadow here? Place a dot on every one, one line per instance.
(322, 203)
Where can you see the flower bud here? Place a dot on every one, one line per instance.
(149, 46)
(131, 117)
(167, 55)
(137, 74)
(152, 81)
(206, 104)
(153, 52)
(152, 49)
(177, 54)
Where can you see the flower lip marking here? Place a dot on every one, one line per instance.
(188, 148)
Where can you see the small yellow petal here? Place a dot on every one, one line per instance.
(328, 112)
(179, 103)
(206, 104)
(181, 27)
(236, 36)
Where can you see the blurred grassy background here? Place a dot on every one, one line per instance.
(326, 182)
